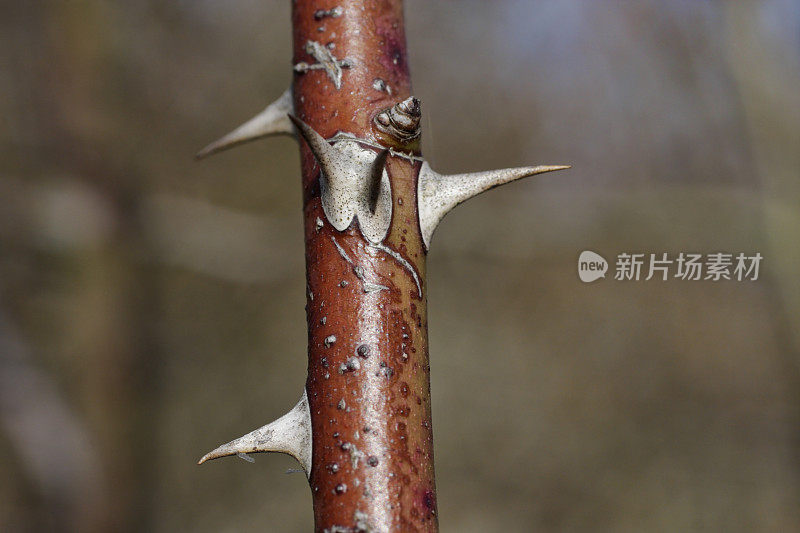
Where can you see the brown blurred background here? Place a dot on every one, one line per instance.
(151, 307)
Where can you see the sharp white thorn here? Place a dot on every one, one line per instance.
(375, 179)
(290, 434)
(273, 120)
(438, 193)
(354, 184)
(328, 157)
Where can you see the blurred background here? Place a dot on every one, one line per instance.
(151, 307)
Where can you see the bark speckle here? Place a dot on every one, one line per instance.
(363, 351)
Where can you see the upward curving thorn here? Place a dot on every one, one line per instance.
(290, 434)
(273, 120)
(354, 184)
(328, 157)
(375, 179)
(437, 193)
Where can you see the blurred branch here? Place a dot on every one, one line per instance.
(50, 440)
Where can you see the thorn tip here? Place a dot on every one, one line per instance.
(437, 194)
(270, 121)
(290, 434)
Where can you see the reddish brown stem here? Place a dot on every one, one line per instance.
(368, 377)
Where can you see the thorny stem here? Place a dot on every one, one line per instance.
(368, 375)
(362, 429)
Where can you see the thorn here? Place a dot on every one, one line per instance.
(325, 154)
(271, 121)
(354, 183)
(438, 193)
(375, 179)
(290, 434)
